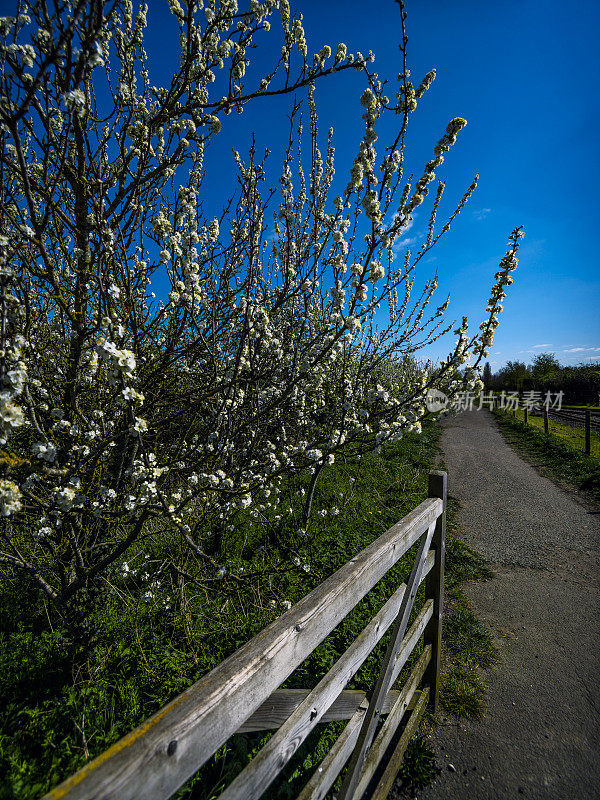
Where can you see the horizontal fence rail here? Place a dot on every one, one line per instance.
(242, 694)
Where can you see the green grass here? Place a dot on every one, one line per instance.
(468, 645)
(463, 692)
(418, 767)
(569, 434)
(61, 696)
(560, 457)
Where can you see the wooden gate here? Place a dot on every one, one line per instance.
(242, 694)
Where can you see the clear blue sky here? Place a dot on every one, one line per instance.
(524, 73)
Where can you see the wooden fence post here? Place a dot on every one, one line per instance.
(525, 414)
(545, 419)
(434, 587)
(588, 432)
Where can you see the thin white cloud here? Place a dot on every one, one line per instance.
(399, 244)
(404, 242)
(534, 348)
(581, 349)
(481, 213)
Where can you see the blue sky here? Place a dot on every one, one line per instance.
(524, 74)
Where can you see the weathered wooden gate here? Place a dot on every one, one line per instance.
(242, 694)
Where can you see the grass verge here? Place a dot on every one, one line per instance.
(560, 457)
(570, 435)
(468, 645)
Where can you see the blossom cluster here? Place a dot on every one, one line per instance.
(267, 357)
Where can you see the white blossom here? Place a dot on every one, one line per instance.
(44, 450)
(10, 498)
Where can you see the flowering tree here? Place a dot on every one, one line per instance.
(265, 357)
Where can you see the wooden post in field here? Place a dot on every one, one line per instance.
(434, 587)
(588, 432)
(525, 415)
(545, 419)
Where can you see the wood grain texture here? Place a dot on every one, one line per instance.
(162, 753)
(324, 776)
(382, 789)
(326, 773)
(389, 727)
(272, 758)
(385, 678)
(330, 767)
(274, 711)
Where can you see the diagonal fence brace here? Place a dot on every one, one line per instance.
(367, 731)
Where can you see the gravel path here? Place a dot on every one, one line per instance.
(540, 737)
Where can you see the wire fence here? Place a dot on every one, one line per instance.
(580, 428)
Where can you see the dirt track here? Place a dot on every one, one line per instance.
(540, 737)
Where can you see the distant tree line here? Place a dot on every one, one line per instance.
(580, 383)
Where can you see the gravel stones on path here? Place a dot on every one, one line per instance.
(540, 737)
